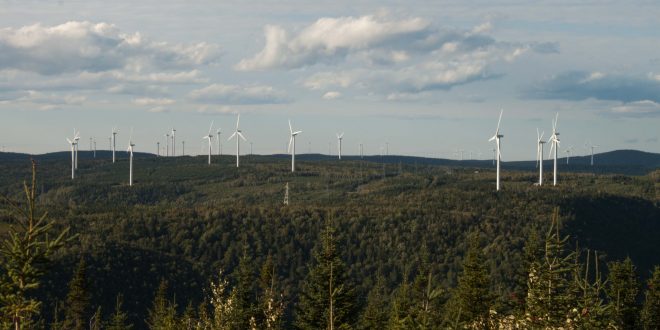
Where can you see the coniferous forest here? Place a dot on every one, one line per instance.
(360, 245)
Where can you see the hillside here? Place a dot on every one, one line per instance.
(183, 220)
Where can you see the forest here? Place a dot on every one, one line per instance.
(361, 244)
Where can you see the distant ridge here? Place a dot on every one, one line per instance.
(617, 161)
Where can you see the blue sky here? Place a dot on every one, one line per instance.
(427, 77)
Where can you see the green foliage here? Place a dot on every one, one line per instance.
(26, 254)
(375, 313)
(651, 309)
(472, 296)
(623, 292)
(327, 299)
(78, 310)
(119, 319)
(162, 315)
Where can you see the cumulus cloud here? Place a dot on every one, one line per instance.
(94, 47)
(235, 94)
(582, 85)
(146, 101)
(645, 108)
(328, 39)
(332, 95)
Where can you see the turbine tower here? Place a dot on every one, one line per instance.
(539, 154)
(237, 134)
(554, 140)
(73, 155)
(592, 152)
(76, 138)
(497, 138)
(173, 142)
(218, 132)
(167, 143)
(130, 158)
(339, 138)
(114, 142)
(209, 136)
(292, 146)
(157, 149)
(568, 153)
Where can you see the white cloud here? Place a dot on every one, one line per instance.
(332, 95)
(158, 109)
(330, 38)
(95, 47)
(235, 94)
(645, 108)
(52, 99)
(323, 80)
(146, 101)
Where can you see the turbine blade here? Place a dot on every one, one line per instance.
(493, 138)
(210, 127)
(69, 141)
(241, 135)
(290, 129)
(288, 149)
(296, 132)
(552, 146)
(232, 136)
(498, 122)
(538, 137)
(238, 121)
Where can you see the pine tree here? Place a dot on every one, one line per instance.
(162, 316)
(549, 298)
(375, 314)
(426, 296)
(118, 319)
(243, 294)
(472, 295)
(78, 310)
(401, 307)
(590, 311)
(25, 256)
(327, 300)
(651, 309)
(623, 291)
(272, 305)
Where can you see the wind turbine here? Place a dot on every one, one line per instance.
(592, 152)
(555, 145)
(173, 142)
(130, 158)
(237, 134)
(568, 153)
(218, 132)
(76, 138)
(292, 146)
(339, 138)
(497, 138)
(167, 141)
(114, 142)
(209, 136)
(73, 155)
(539, 154)
(157, 149)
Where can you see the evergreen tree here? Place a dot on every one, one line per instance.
(401, 307)
(25, 256)
(472, 295)
(162, 315)
(589, 312)
(243, 294)
(78, 310)
(272, 306)
(549, 298)
(375, 314)
(327, 300)
(651, 309)
(426, 296)
(118, 319)
(622, 291)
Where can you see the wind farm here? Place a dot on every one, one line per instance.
(393, 200)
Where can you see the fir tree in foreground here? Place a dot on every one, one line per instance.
(651, 310)
(77, 311)
(162, 315)
(25, 256)
(622, 292)
(118, 319)
(327, 300)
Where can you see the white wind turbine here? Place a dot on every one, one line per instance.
(497, 138)
(209, 136)
(218, 132)
(76, 138)
(114, 142)
(173, 142)
(73, 154)
(568, 153)
(339, 138)
(167, 143)
(292, 146)
(554, 140)
(592, 147)
(130, 158)
(539, 154)
(237, 134)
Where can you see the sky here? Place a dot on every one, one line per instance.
(426, 78)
